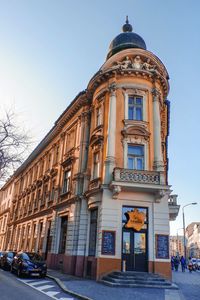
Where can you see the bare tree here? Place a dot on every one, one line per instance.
(14, 143)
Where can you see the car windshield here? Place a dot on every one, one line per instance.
(32, 256)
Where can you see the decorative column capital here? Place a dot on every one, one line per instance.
(112, 89)
(156, 94)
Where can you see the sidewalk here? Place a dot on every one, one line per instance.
(188, 283)
(91, 290)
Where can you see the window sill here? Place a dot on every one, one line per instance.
(135, 122)
(63, 194)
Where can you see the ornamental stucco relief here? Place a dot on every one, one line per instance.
(136, 63)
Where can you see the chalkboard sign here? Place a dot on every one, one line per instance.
(108, 243)
(162, 246)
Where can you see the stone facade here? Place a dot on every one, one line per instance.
(77, 182)
(192, 234)
(176, 245)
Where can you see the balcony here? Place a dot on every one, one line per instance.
(173, 207)
(139, 180)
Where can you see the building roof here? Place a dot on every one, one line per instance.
(125, 40)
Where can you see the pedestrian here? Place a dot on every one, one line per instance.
(183, 263)
(172, 263)
(176, 263)
(190, 265)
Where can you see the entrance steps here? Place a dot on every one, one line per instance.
(137, 279)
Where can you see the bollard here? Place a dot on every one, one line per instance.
(123, 266)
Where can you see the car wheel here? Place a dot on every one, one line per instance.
(19, 273)
(42, 275)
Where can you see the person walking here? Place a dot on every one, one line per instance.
(183, 263)
(176, 263)
(172, 263)
(190, 265)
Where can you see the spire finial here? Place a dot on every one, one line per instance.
(127, 27)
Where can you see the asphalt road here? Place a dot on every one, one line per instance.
(14, 288)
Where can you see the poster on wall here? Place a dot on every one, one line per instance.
(162, 246)
(108, 242)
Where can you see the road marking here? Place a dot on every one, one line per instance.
(51, 294)
(172, 295)
(65, 298)
(35, 285)
(39, 282)
(44, 287)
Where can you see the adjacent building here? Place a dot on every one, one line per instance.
(176, 245)
(93, 196)
(193, 239)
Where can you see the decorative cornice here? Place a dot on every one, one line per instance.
(145, 65)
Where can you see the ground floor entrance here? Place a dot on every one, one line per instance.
(135, 250)
(135, 239)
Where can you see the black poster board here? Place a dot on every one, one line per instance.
(108, 242)
(162, 246)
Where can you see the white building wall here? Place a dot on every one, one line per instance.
(110, 218)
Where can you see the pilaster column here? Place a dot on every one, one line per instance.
(10, 238)
(110, 157)
(158, 158)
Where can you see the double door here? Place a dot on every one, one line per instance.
(134, 250)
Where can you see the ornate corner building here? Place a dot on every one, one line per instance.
(93, 196)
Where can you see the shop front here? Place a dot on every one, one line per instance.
(135, 239)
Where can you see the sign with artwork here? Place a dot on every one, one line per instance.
(162, 246)
(135, 219)
(108, 242)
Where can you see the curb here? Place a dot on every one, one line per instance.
(66, 290)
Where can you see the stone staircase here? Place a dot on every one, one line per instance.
(137, 279)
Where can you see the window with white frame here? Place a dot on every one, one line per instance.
(96, 165)
(98, 116)
(136, 157)
(135, 108)
(66, 181)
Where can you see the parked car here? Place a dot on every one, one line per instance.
(6, 260)
(30, 264)
(194, 261)
(1, 254)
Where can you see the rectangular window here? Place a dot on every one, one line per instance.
(96, 165)
(135, 157)
(98, 116)
(63, 234)
(56, 154)
(66, 181)
(53, 190)
(135, 108)
(49, 161)
(93, 232)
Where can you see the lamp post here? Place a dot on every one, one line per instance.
(193, 203)
(177, 238)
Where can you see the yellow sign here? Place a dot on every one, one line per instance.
(136, 219)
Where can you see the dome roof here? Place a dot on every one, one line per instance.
(125, 40)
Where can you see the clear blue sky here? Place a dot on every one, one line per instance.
(49, 50)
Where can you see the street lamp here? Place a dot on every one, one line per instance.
(193, 203)
(177, 239)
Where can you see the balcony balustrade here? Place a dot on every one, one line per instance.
(173, 207)
(137, 176)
